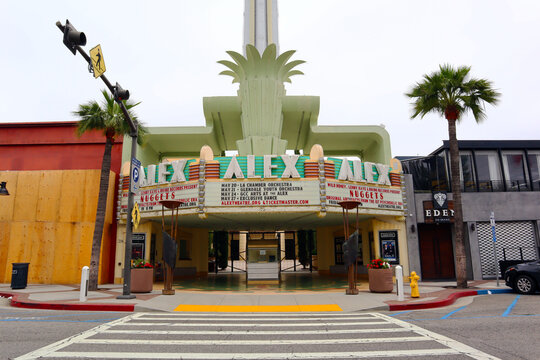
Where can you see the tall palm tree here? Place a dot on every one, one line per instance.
(109, 118)
(452, 93)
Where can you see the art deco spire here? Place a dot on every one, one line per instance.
(260, 24)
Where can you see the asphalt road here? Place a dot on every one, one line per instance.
(501, 326)
(504, 325)
(25, 330)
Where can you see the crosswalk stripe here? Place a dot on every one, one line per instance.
(253, 342)
(236, 315)
(254, 324)
(358, 317)
(257, 356)
(258, 308)
(255, 332)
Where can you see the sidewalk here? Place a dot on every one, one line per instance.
(66, 297)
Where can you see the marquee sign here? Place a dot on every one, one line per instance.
(149, 199)
(269, 180)
(370, 197)
(262, 193)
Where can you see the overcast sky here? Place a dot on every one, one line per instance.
(362, 56)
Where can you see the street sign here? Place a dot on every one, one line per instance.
(136, 216)
(98, 63)
(135, 175)
(494, 238)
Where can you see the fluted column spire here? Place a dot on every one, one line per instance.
(260, 24)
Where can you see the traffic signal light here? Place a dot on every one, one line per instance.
(73, 38)
(120, 94)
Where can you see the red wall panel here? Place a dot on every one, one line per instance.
(53, 146)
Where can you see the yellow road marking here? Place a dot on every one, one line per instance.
(258, 308)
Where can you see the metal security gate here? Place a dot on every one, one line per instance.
(516, 240)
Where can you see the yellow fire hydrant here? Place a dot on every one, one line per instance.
(415, 293)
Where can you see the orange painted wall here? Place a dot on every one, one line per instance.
(48, 221)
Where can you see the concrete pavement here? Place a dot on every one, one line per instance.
(66, 297)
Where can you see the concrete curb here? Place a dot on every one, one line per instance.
(19, 300)
(445, 302)
(15, 302)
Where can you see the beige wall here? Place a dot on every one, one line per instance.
(198, 247)
(48, 221)
(326, 235)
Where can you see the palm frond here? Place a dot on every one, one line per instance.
(450, 88)
(107, 117)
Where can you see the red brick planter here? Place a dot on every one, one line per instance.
(380, 280)
(142, 280)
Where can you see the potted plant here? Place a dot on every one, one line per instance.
(142, 276)
(380, 276)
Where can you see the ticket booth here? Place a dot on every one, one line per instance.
(262, 261)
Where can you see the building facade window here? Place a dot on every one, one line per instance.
(466, 171)
(489, 171)
(515, 170)
(534, 168)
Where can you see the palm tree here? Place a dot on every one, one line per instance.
(107, 117)
(452, 93)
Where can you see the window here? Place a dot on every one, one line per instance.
(184, 250)
(466, 171)
(515, 170)
(428, 173)
(489, 171)
(534, 166)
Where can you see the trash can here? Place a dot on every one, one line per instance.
(19, 275)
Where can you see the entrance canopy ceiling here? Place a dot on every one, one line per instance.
(264, 221)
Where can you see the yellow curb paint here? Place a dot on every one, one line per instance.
(258, 308)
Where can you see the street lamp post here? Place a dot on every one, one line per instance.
(74, 40)
(350, 250)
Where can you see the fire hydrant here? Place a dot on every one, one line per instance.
(415, 293)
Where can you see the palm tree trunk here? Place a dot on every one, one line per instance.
(461, 259)
(100, 215)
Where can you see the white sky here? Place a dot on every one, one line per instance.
(362, 56)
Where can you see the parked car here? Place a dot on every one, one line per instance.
(523, 278)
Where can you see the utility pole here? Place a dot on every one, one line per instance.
(73, 40)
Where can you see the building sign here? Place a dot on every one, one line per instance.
(433, 215)
(371, 197)
(267, 167)
(270, 180)
(262, 193)
(388, 240)
(440, 200)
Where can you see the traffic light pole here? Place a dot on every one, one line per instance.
(126, 290)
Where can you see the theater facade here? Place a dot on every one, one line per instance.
(260, 175)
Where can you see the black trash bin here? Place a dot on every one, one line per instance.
(19, 275)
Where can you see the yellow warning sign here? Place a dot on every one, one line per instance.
(136, 216)
(98, 63)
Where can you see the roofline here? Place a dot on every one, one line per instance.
(490, 145)
(39, 124)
